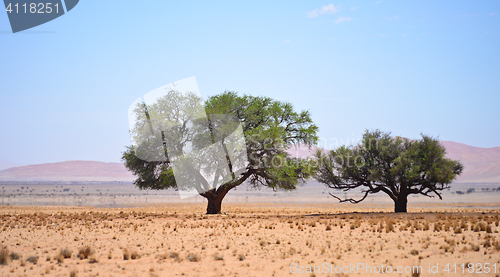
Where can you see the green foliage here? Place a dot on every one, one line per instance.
(269, 127)
(393, 165)
(150, 175)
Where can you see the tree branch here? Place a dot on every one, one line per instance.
(350, 199)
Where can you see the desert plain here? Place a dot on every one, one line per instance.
(114, 229)
(250, 239)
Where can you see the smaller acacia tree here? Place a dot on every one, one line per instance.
(393, 165)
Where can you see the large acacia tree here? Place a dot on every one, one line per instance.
(395, 166)
(269, 127)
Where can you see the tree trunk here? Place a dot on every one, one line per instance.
(215, 199)
(400, 204)
(214, 205)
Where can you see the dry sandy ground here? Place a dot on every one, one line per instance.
(249, 240)
(122, 194)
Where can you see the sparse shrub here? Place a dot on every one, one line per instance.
(32, 259)
(489, 229)
(72, 273)
(451, 242)
(4, 255)
(241, 257)
(328, 227)
(14, 256)
(487, 243)
(126, 254)
(497, 245)
(437, 227)
(389, 226)
(66, 253)
(481, 226)
(447, 248)
(59, 258)
(93, 259)
(134, 255)
(85, 252)
(175, 256)
(414, 252)
(426, 226)
(218, 257)
(193, 258)
(416, 225)
(463, 225)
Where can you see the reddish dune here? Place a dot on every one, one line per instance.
(482, 165)
(69, 171)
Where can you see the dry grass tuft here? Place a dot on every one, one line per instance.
(489, 229)
(437, 227)
(93, 259)
(14, 256)
(66, 253)
(175, 256)
(4, 255)
(355, 224)
(85, 252)
(193, 258)
(218, 257)
(59, 258)
(480, 226)
(463, 225)
(32, 259)
(134, 255)
(426, 226)
(487, 243)
(389, 226)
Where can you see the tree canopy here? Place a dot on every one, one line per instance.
(395, 166)
(269, 127)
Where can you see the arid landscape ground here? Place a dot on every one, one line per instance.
(87, 219)
(257, 239)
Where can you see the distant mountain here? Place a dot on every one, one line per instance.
(482, 165)
(68, 171)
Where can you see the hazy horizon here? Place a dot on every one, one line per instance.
(5, 164)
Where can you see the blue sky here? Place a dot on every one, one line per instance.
(428, 67)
